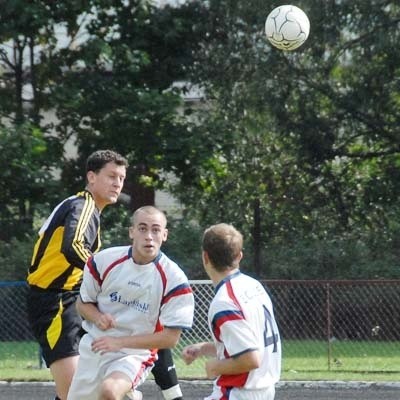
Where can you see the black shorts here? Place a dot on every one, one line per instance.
(55, 323)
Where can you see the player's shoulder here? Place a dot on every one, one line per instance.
(66, 203)
(235, 285)
(81, 198)
(244, 279)
(79, 202)
(166, 262)
(169, 266)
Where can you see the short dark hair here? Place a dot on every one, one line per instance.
(97, 160)
(148, 210)
(223, 244)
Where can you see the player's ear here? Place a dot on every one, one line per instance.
(238, 259)
(131, 232)
(205, 258)
(90, 176)
(165, 235)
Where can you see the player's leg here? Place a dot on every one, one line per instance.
(89, 372)
(122, 375)
(62, 371)
(165, 376)
(63, 356)
(115, 386)
(57, 327)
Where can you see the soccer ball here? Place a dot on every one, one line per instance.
(287, 27)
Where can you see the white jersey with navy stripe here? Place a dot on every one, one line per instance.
(241, 319)
(142, 298)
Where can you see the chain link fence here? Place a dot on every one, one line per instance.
(325, 325)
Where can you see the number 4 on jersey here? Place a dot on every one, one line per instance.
(274, 337)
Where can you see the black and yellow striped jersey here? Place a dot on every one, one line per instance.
(66, 240)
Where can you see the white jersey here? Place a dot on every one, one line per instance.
(148, 297)
(241, 319)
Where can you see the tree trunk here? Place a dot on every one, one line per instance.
(257, 237)
(140, 195)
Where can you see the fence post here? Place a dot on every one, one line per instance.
(328, 323)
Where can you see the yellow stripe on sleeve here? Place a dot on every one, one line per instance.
(78, 241)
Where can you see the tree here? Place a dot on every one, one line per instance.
(106, 74)
(116, 89)
(304, 143)
(29, 43)
(23, 178)
(298, 149)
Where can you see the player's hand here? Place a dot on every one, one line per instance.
(190, 353)
(106, 344)
(106, 321)
(211, 368)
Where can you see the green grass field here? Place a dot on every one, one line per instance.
(302, 360)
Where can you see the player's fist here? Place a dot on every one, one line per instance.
(105, 344)
(191, 352)
(105, 321)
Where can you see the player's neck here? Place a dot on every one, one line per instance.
(217, 276)
(100, 204)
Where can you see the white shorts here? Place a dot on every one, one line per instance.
(93, 368)
(242, 394)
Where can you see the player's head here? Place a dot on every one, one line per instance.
(105, 175)
(222, 246)
(148, 232)
(97, 160)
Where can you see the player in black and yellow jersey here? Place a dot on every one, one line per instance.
(66, 240)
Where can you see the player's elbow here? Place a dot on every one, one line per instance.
(79, 306)
(256, 360)
(172, 337)
(252, 360)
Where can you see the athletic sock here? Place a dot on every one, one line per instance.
(173, 393)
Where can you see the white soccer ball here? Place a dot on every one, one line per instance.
(287, 27)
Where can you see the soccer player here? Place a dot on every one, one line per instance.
(134, 300)
(67, 239)
(246, 346)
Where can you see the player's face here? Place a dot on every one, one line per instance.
(106, 185)
(148, 234)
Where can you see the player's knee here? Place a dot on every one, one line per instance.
(108, 391)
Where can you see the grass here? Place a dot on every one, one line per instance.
(302, 360)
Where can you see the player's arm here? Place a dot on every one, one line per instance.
(78, 233)
(245, 362)
(194, 351)
(90, 312)
(165, 339)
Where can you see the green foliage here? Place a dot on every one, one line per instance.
(184, 247)
(31, 154)
(15, 257)
(300, 144)
(115, 225)
(298, 149)
(343, 257)
(117, 89)
(27, 175)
